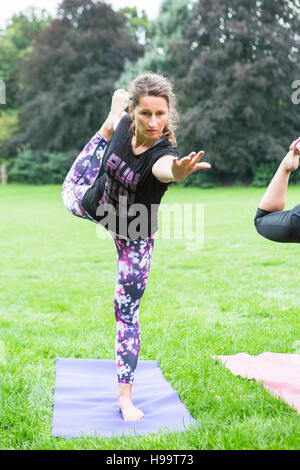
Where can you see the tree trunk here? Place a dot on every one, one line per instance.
(3, 173)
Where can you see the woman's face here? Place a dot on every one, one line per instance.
(150, 115)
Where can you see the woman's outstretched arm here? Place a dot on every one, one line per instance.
(168, 168)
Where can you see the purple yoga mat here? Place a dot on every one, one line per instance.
(85, 400)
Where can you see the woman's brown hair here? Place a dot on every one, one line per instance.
(153, 84)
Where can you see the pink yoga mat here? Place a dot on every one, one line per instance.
(280, 373)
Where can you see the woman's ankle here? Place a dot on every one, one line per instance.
(124, 390)
(290, 162)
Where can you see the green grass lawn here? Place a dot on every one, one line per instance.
(239, 293)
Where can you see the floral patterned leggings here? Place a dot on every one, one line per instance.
(133, 260)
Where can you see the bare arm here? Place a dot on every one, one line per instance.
(118, 105)
(274, 198)
(168, 168)
(162, 169)
(106, 130)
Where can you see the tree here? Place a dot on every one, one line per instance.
(70, 75)
(8, 127)
(137, 25)
(16, 41)
(234, 70)
(173, 20)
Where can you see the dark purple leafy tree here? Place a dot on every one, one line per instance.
(69, 77)
(234, 73)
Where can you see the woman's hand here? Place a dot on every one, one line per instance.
(119, 103)
(187, 165)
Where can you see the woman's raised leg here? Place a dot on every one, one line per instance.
(82, 175)
(87, 165)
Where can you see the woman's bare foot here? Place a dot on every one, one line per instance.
(119, 103)
(291, 160)
(127, 408)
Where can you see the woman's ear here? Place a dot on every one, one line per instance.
(130, 108)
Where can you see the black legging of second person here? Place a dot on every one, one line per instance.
(279, 226)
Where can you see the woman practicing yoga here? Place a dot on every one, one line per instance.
(271, 220)
(139, 163)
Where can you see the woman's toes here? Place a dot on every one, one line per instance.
(129, 411)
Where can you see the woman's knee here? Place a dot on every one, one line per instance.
(260, 224)
(280, 226)
(260, 213)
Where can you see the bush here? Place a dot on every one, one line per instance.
(33, 167)
(27, 168)
(57, 165)
(202, 179)
(265, 173)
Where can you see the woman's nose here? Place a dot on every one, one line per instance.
(153, 122)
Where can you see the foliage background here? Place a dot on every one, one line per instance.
(232, 64)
